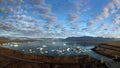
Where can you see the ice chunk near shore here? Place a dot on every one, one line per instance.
(41, 49)
(68, 49)
(78, 48)
(46, 51)
(16, 45)
(30, 50)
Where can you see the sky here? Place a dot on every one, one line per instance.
(60, 18)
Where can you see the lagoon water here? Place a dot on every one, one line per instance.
(52, 48)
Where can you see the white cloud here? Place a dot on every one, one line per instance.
(90, 22)
(21, 22)
(43, 9)
(80, 5)
(111, 7)
(116, 19)
(9, 7)
(36, 1)
(6, 26)
(73, 17)
(49, 18)
(75, 26)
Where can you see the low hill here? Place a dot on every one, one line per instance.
(90, 39)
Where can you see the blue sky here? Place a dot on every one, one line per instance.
(60, 18)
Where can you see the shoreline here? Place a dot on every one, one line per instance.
(108, 50)
(56, 60)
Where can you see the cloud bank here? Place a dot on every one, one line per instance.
(44, 18)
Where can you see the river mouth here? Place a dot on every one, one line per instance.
(51, 48)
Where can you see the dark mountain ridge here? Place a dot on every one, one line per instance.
(88, 38)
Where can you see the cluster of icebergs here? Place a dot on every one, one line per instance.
(13, 44)
(47, 49)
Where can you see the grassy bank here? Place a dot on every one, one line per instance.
(111, 50)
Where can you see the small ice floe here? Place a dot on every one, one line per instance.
(44, 45)
(46, 51)
(8, 43)
(64, 44)
(63, 50)
(41, 49)
(53, 43)
(11, 45)
(15, 45)
(78, 48)
(68, 49)
(60, 51)
(52, 50)
(30, 50)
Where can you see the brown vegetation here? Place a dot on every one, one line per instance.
(111, 50)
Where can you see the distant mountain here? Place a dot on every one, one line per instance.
(69, 39)
(2, 38)
(17, 39)
(88, 38)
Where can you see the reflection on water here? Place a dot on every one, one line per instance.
(51, 48)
